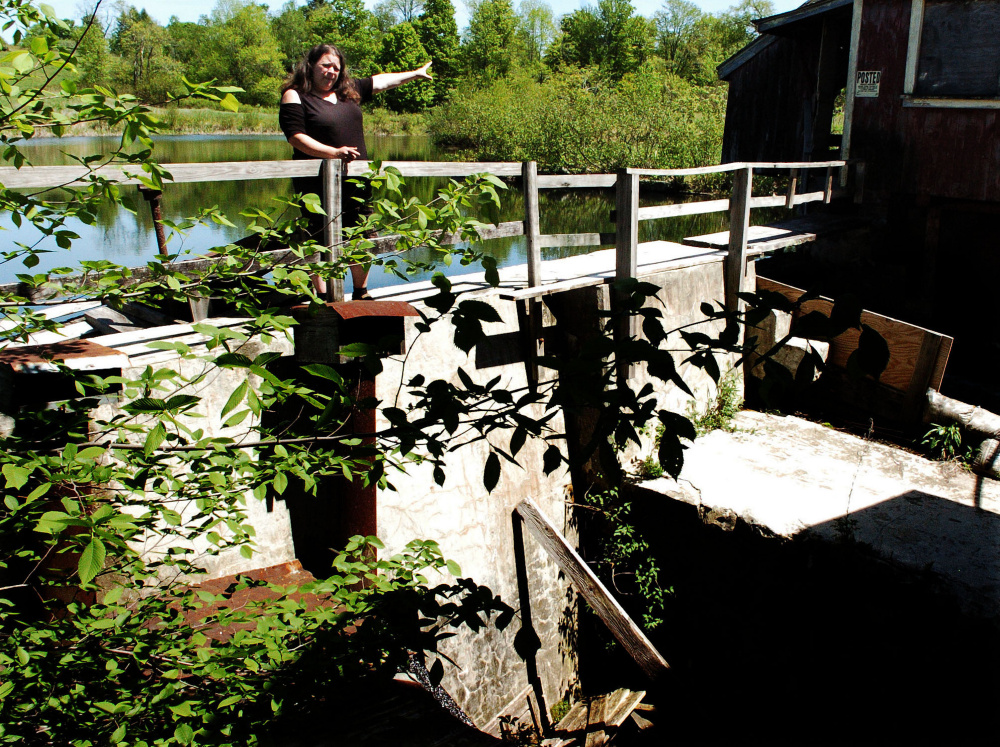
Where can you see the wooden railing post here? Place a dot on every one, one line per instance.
(333, 227)
(626, 254)
(531, 311)
(793, 184)
(739, 222)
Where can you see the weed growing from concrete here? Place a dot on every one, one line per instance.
(944, 442)
(720, 413)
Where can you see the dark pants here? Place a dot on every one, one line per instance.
(356, 204)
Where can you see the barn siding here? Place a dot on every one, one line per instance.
(951, 153)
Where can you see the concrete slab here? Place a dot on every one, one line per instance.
(792, 476)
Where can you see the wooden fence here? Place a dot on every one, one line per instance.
(627, 214)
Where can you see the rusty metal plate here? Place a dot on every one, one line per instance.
(367, 309)
(77, 354)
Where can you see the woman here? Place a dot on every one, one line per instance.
(321, 117)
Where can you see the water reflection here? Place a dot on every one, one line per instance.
(126, 236)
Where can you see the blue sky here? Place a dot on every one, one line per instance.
(190, 10)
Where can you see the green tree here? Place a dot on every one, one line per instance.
(536, 28)
(438, 33)
(489, 44)
(291, 30)
(145, 68)
(679, 37)
(242, 51)
(623, 38)
(352, 28)
(402, 50)
(93, 57)
(189, 44)
(399, 11)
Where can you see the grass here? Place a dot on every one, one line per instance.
(720, 412)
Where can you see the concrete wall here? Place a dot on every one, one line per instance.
(270, 520)
(474, 527)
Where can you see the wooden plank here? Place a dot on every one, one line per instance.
(576, 239)
(70, 331)
(739, 221)
(793, 185)
(33, 177)
(529, 180)
(761, 239)
(919, 102)
(736, 166)
(595, 734)
(440, 168)
(54, 311)
(766, 201)
(624, 629)
(626, 703)
(685, 208)
(852, 70)
(906, 368)
(79, 355)
(626, 255)
(576, 181)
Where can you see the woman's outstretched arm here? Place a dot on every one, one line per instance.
(385, 81)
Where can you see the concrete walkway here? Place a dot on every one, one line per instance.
(793, 476)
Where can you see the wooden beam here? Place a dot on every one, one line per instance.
(576, 239)
(333, 226)
(440, 168)
(626, 256)
(576, 181)
(530, 310)
(624, 629)
(739, 221)
(685, 208)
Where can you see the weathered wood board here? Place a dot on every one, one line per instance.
(597, 595)
(765, 239)
(917, 356)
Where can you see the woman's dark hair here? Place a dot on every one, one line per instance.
(301, 77)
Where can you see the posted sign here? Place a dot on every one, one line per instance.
(866, 83)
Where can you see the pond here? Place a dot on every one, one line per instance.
(126, 236)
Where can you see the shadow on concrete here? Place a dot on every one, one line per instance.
(810, 641)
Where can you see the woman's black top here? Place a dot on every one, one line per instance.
(335, 124)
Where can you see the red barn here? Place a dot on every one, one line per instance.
(919, 83)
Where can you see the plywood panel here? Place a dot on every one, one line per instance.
(917, 356)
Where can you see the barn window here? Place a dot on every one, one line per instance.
(954, 49)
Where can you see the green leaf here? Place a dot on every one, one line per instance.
(39, 46)
(234, 399)
(118, 734)
(154, 438)
(184, 734)
(280, 482)
(454, 568)
(230, 103)
(16, 476)
(491, 473)
(91, 560)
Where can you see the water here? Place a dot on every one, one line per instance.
(126, 236)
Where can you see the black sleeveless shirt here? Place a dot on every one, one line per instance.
(334, 124)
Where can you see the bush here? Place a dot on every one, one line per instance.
(570, 123)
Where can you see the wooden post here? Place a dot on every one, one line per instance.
(739, 222)
(333, 227)
(793, 184)
(626, 255)
(828, 186)
(152, 196)
(535, 342)
(859, 182)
